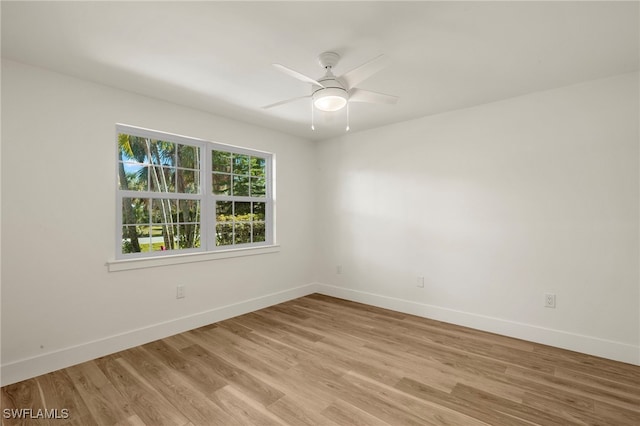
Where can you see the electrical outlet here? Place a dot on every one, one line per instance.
(180, 292)
(420, 282)
(549, 300)
(338, 269)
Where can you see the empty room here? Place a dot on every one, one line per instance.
(320, 213)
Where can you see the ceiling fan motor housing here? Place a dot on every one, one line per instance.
(333, 96)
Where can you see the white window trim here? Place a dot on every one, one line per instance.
(208, 250)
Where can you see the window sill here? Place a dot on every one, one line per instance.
(128, 264)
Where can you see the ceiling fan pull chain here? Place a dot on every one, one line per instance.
(312, 108)
(347, 129)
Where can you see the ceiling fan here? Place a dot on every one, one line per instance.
(330, 93)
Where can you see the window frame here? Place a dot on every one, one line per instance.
(208, 219)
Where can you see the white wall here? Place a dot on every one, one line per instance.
(59, 303)
(496, 205)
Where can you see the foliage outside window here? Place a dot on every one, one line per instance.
(180, 195)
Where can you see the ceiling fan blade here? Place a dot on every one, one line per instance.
(363, 72)
(285, 102)
(360, 95)
(296, 74)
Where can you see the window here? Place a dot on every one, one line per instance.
(182, 195)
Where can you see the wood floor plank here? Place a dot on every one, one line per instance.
(287, 353)
(365, 310)
(178, 341)
(518, 411)
(132, 421)
(59, 393)
(605, 384)
(257, 377)
(430, 411)
(293, 412)
(345, 414)
(590, 364)
(243, 410)
(536, 381)
(312, 381)
(250, 385)
(424, 325)
(319, 360)
(617, 414)
(577, 412)
(200, 376)
(241, 354)
(443, 373)
(106, 404)
(289, 328)
(446, 399)
(22, 395)
(381, 408)
(148, 404)
(175, 387)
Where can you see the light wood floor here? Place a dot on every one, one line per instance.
(324, 361)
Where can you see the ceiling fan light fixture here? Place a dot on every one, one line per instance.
(330, 99)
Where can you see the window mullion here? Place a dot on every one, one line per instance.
(208, 215)
(247, 198)
(270, 201)
(149, 194)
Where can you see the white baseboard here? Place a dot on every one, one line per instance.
(31, 367)
(617, 351)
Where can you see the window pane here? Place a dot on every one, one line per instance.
(144, 238)
(221, 184)
(221, 161)
(135, 177)
(188, 235)
(162, 179)
(188, 181)
(124, 147)
(242, 211)
(135, 211)
(240, 164)
(224, 234)
(130, 167)
(163, 153)
(188, 157)
(259, 234)
(240, 185)
(163, 210)
(258, 187)
(158, 232)
(133, 148)
(162, 237)
(188, 211)
(243, 233)
(258, 166)
(130, 239)
(259, 211)
(224, 211)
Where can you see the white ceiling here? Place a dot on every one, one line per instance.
(217, 56)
